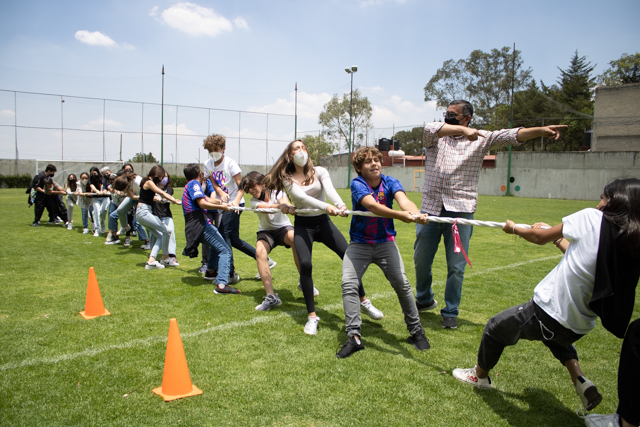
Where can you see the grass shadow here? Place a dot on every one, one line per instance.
(540, 404)
(433, 321)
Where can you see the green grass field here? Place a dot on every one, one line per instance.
(259, 368)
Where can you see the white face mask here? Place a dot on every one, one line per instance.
(216, 155)
(300, 158)
(84, 181)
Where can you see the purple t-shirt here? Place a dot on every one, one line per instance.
(373, 229)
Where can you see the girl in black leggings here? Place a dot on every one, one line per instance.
(308, 188)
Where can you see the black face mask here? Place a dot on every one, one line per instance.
(72, 180)
(451, 121)
(156, 181)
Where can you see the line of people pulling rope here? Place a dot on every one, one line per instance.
(596, 277)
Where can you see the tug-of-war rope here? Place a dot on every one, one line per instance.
(443, 220)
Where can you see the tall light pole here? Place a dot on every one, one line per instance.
(350, 70)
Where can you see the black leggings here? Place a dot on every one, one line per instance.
(629, 376)
(306, 230)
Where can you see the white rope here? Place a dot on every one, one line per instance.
(442, 220)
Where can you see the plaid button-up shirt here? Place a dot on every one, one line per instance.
(452, 166)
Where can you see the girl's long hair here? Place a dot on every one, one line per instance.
(623, 210)
(284, 168)
(95, 180)
(72, 185)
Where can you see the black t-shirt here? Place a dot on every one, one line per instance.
(146, 196)
(162, 209)
(38, 180)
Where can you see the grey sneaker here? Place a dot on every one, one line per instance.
(272, 263)
(311, 328)
(127, 241)
(269, 301)
(424, 307)
(234, 279)
(203, 269)
(315, 291)
(588, 393)
(449, 323)
(469, 376)
(145, 247)
(368, 309)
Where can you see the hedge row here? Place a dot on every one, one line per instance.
(15, 181)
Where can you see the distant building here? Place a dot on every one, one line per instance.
(616, 124)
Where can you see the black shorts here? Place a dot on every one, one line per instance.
(275, 237)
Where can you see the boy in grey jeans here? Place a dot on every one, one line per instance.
(373, 241)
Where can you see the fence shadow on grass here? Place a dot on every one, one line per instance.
(542, 408)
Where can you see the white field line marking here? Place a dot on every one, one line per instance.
(225, 326)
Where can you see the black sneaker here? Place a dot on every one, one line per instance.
(210, 275)
(112, 240)
(352, 345)
(226, 290)
(449, 323)
(419, 341)
(35, 224)
(429, 306)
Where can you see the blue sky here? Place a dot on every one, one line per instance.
(248, 55)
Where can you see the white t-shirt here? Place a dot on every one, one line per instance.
(223, 174)
(314, 196)
(135, 185)
(272, 221)
(566, 292)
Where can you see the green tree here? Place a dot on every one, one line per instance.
(318, 147)
(575, 94)
(334, 118)
(622, 71)
(143, 158)
(484, 79)
(411, 141)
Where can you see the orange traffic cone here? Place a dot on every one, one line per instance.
(176, 381)
(93, 306)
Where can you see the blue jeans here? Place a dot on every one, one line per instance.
(425, 248)
(230, 230)
(168, 221)
(85, 217)
(156, 229)
(219, 253)
(112, 221)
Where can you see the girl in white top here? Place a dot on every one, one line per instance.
(73, 189)
(308, 187)
(561, 312)
(84, 201)
(100, 201)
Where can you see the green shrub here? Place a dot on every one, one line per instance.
(15, 181)
(179, 181)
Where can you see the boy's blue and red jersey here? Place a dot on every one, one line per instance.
(373, 229)
(192, 192)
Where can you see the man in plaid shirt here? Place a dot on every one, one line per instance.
(454, 154)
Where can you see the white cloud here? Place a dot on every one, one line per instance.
(154, 12)
(97, 124)
(309, 105)
(197, 20)
(96, 38)
(170, 129)
(241, 23)
(396, 111)
(7, 113)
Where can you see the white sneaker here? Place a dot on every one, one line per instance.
(96, 233)
(469, 376)
(368, 309)
(311, 328)
(127, 241)
(597, 420)
(145, 247)
(315, 291)
(154, 265)
(234, 279)
(588, 393)
(123, 230)
(272, 263)
(170, 262)
(69, 226)
(85, 231)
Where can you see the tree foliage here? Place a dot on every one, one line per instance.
(334, 118)
(411, 141)
(318, 147)
(622, 71)
(143, 158)
(484, 79)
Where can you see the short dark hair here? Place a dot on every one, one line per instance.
(250, 180)
(467, 108)
(191, 171)
(47, 181)
(51, 168)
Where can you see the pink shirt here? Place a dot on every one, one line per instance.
(452, 166)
